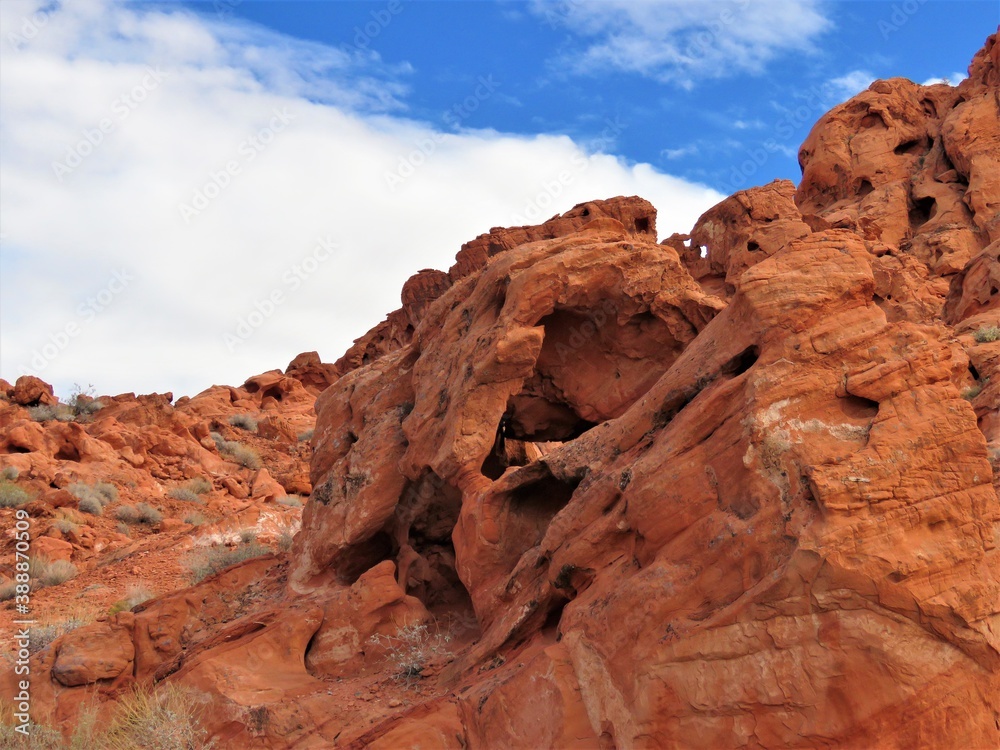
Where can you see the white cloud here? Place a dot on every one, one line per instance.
(680, 41)
(322, 174)
(680, 153)
(843, 87)
(953, 80)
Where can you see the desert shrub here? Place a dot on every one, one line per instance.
(42, 635)
(127, 514)
(49, 572)
(970, 393)
(135, 595)
(165, 719)
(306, 436)
(285, 541)
(106, 490)
(183, 493)
(11, 495)
(236, 451)
(248, 535)
(147, 514)
(205, 562)
(198, 485)
(91, 505)
(243, 422)
(9, 473)
(986, 335)
(50, 412)
(411, 650)
(103, 493)
(82, 403)
(65, 525)
(292, 501)
(195, 519)
(242, 454)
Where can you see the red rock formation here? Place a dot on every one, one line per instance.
(738, 489)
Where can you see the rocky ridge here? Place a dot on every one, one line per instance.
(734, 489)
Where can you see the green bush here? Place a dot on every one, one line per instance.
(9, 473)
(208, 561)
(292, 501)
(11, 495)
(306, 436)
(243, 422)
(987, 335)
(148, 514)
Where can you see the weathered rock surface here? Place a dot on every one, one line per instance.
(737, 489)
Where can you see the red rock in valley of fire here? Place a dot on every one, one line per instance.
(736, 489)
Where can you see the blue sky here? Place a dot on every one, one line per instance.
(696, 119)
(195, 192)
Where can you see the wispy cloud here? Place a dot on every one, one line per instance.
(282, 147)
(953, 80)
(842, 88)
(680, 153)
(679, 41)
